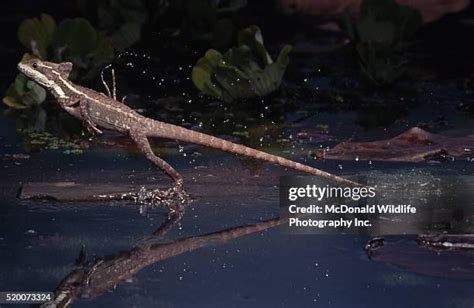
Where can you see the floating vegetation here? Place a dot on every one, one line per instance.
(381, 36)
(212, 21)
(24, 93)
(36, 34)
(34, 140)
(123, 20)
(244, 71)
(73, 40)
(127, 22)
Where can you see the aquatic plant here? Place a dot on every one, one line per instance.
(380, 36)
(36, 34)
(123, 20)
(73, 40)
(126, 22)
(40, 129)
(34, 140)
(244, 71)
(212, 21)
(24, 93)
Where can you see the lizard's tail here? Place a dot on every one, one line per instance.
(169, 131)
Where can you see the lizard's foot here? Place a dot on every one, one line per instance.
(175, 198)
(178, 191)
(178, 197)
(93, 130)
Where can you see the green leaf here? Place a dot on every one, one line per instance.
(104, 52)
(76, 41)
(126, 36)
(233, 82)
(36, 34)
(203, 70)
(76, 36)
(271, 77)
(409, 22)
(371, 31)
(380, 36)
(131, 10)
(12, 99)
(242, 57)
(243, 71)
(252, 37)
(284, 57)
(35, 94)
(24, 93)
(123, 18)
(19, 84)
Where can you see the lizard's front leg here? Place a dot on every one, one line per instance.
(86, 118)
(84, 109)
(68, 102)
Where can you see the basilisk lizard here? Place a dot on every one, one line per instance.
(97, 110)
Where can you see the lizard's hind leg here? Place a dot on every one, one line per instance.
(114, 85)
(106, 86)
(177, 191)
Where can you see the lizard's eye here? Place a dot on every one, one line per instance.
(35, 65)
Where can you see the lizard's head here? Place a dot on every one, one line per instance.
(45, 73)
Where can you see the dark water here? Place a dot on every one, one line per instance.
(40, 240)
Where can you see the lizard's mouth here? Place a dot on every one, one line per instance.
(26, 70)
(34, 75)
(21, 68)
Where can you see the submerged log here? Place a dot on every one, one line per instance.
(447, 256)
(217, 187)
(76, 192)
(414, 145)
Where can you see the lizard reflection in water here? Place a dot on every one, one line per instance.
(98, 111)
